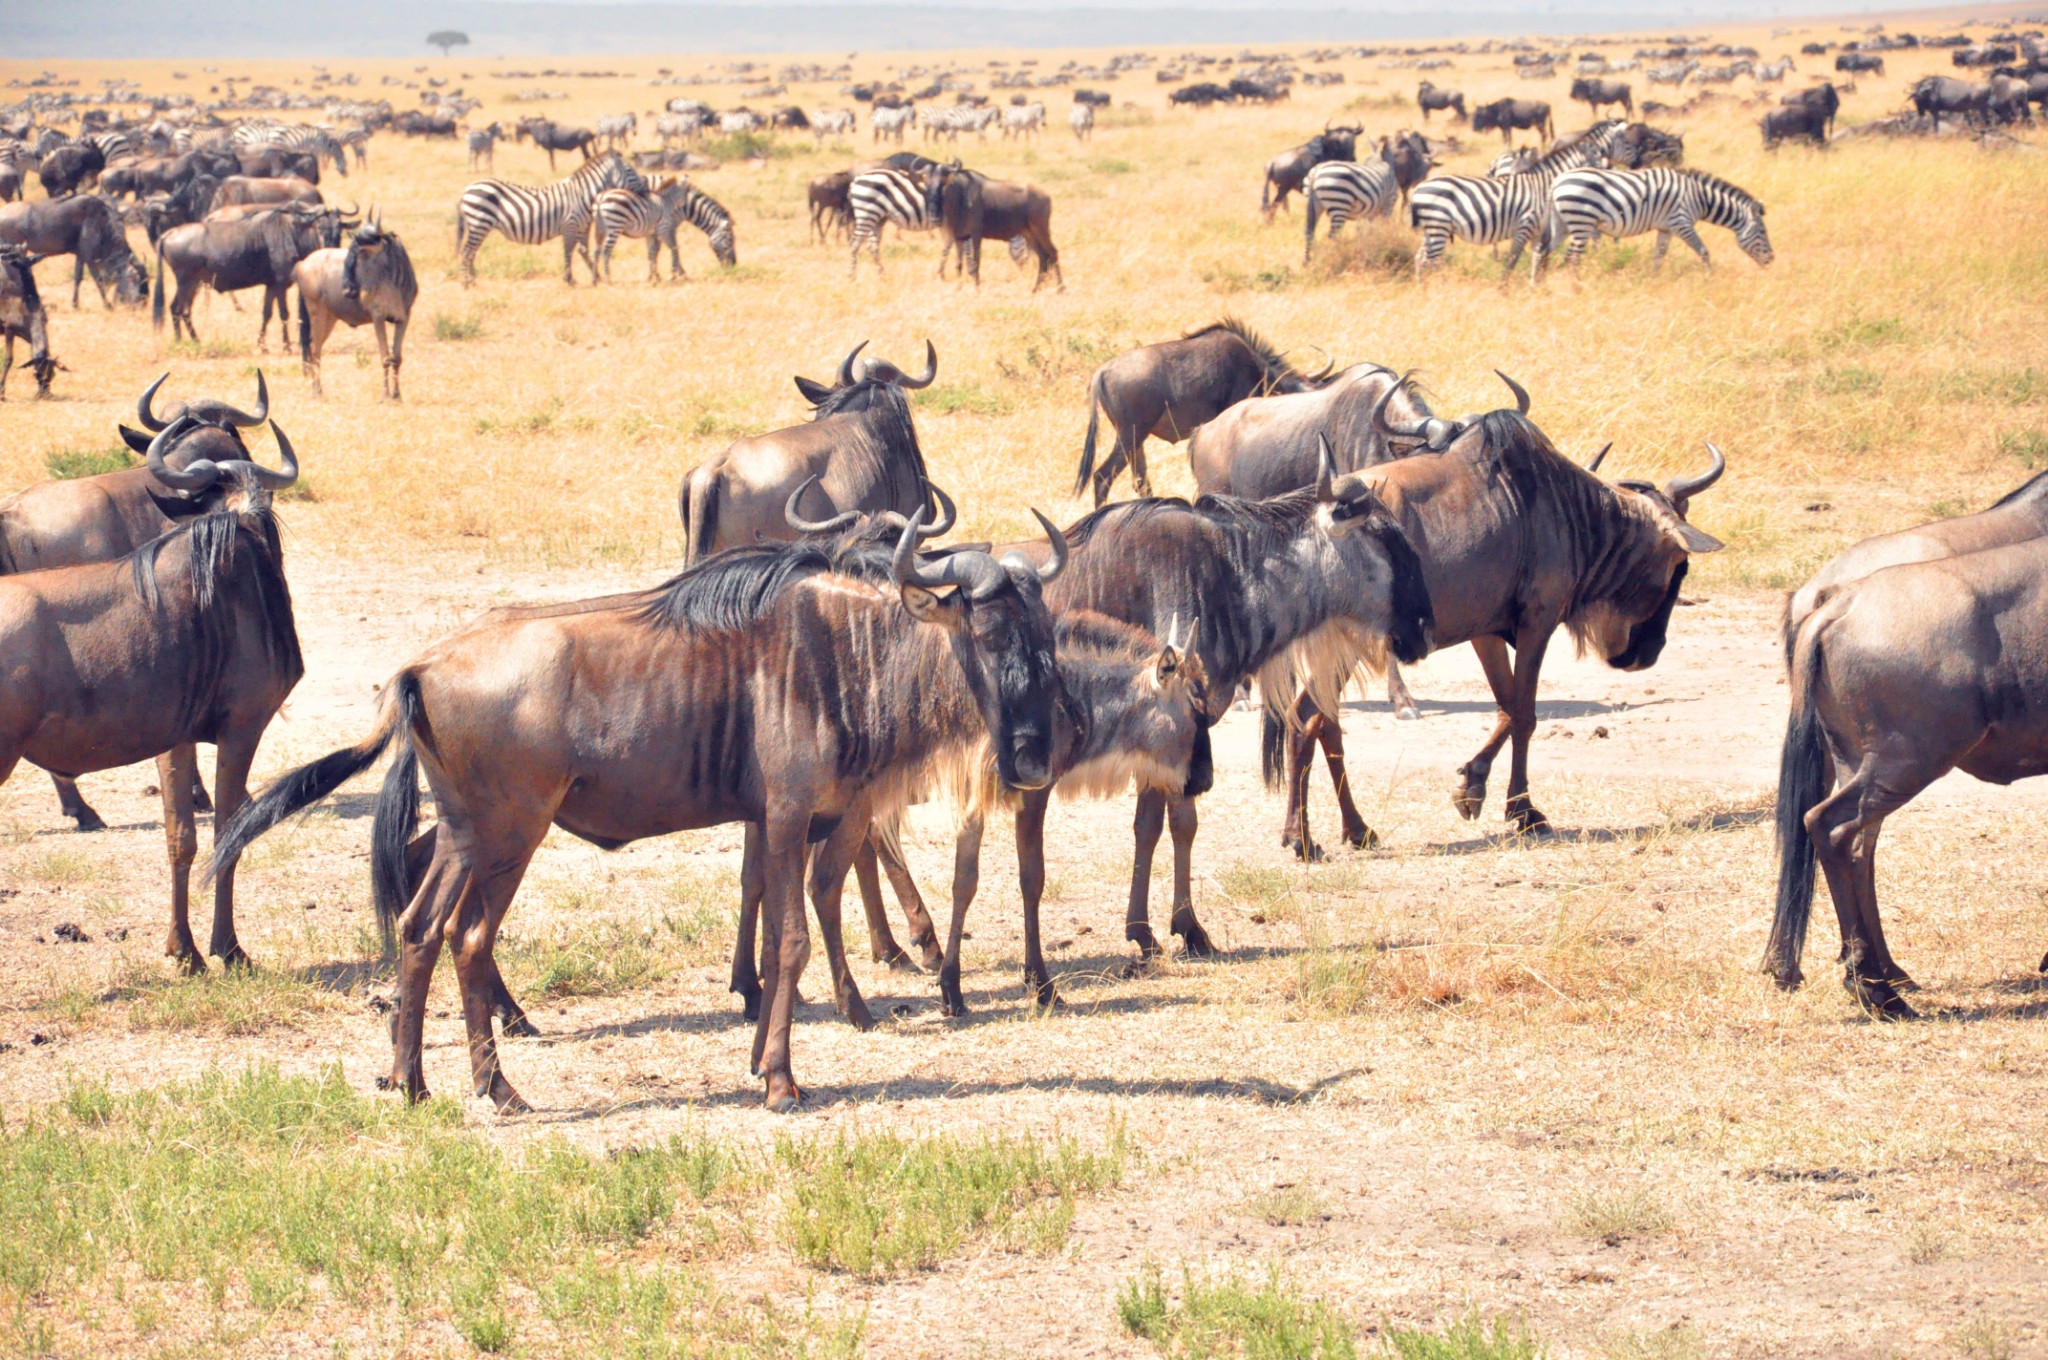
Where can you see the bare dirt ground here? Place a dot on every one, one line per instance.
(1533, 1076)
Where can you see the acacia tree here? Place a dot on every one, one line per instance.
(447, 38)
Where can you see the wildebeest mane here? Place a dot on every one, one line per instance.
(891, 433)
(731, 590)
(2031, 488)
(1269, 358)
(388, 268)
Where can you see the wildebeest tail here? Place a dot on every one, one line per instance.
(1266, 192)
(700, 516)
(1804, 777)
(1088, 443)
(305, 330)
(1272, 746)
(397, 817)
(156, 303)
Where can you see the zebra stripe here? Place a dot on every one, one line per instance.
(884, 196)
(1669, 202)
(653, 216)
(113, 145)
(890, 123)
(303, 137)
(1511, 208)
(531, 215)
(1347, 190)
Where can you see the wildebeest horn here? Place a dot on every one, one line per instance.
(243, 418)
(200, 475)
(1600, 457)
(1060, 551)
(815, 526)
(1418, 430)
(846, 378)
(278, 481)
(931, 369)
(1521, 394)
(1326, 466)
(142, 407)
(1329, 364)
(948, 512)
(1679, 489)
(976, 573)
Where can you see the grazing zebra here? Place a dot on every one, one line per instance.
(1082, 120)
(1347, 190)
(1674, 74)
(1023, 120)
(677, 127)
(1520, 161)
(1774, 71)
(891, 123)
(113, 145)
(356, 139)
(531, 215)
(734, 121)
(315, 141)
(1513, 208)
(654, 215)
(833, 123)
(483, 145)
(885, 196)
(616, 128)
(1669, 202)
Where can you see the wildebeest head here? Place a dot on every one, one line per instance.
(1002, 637)
(1434, 432)
(856, 383)
(241, 486)
(206, 431)
(1348, 509)
(1629, 629)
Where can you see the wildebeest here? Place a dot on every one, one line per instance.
(1859, 61)
(1824, 97)
(70, 522)
(70, 168)
(860, 444)
(1509, 114)
(1984, 54)
(1933, 96)
(1407, 152)
(830, 210)
(972, 208)
(1639, 146)
(1597, 94)
(88, 228)
(1201, 95)
(1430, 98)
(278, 162)
(240, 189)
(551, 137)
(1516, 540)
(1806, 121)
(369, 282)
(1898, 678)
(1286, 171)
(187, 639)
(1295, 591)
(257, 252)
(1171, 389)
(22, 318)
(762, 686)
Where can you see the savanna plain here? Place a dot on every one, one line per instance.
(1461, 1095)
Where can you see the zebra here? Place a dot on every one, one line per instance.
(833, 123)
(886, 196)
(483, 145)
(1082, 120)
(315, 141)
(1023, 120)
(356, 139)
(1347, 190)
(677, 127)
(890, 123)
(113, 145)
(617, 128)
(531, 215)
(734, 121)
(1669, 202)
(1674, 74)
(1514, 208)
(1517, 162)
(655, 214)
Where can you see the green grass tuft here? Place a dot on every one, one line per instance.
(1471, 1337)
(1225, 1315)
(64, 464)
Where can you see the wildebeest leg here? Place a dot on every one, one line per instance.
(1398, 695)
(1470, 796)
(966, 879)
(1031, 881)
(745, 979)
(78, 278)
(231, 760)
(1181, 819)
(882, 946)
(788, 940)
(1330, 733)
(383, 354)
(174, 771)
(1522, 814)
(1878, 962)
(74, 806)
(1294, 831)
(448, 881)
(1842, 828)
(471, 933)
(922, 932)
(397, 360)
(1150, 820)
(1141, 482)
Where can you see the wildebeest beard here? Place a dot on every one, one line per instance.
(1646, 639)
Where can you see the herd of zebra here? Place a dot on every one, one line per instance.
(1614, 179)
(606, 196)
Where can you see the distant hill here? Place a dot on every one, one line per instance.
(398, 28)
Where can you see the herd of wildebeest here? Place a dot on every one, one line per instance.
(821, 660)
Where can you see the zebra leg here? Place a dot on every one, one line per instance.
(1663, 245)
(1690, 235)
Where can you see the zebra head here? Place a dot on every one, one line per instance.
(1754, 239)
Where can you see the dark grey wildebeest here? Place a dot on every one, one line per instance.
(257, 189)
(74, 521)
(1510, 115)
(1824, 97)
(1898, 678)
(969, 208)
(1597, 94)
(88, 228)
(1430, 99)
(69, 169)
(1516, 541)
(1173, 388)
(369, 282)
(22, 318)
(771, 685)
(188, 639)
(860, 445)
(259, 251)
(1286, 172)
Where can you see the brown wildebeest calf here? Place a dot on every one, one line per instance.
(367, 283)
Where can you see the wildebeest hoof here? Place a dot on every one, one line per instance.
(2044, 964)
(1142, 936)
(508, 1100)
(1469, 799)
(1529, 822)
(784, 1096)
(234, 957)
(1879, 998)
(1361, 837)
(88, 820)
(1308, 852)
(1195, 940)
(517, 1026)
(856, 1012)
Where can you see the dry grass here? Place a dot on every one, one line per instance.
(1437, 1077)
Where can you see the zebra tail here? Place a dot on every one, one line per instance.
(1088, 443)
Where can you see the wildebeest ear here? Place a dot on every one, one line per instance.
(813, 392)
(927, 606)
(1697, 542)
(134, 439)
